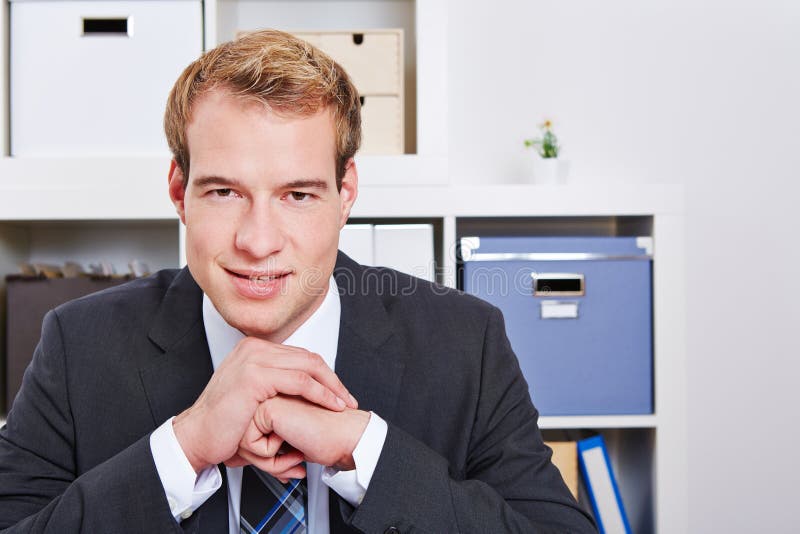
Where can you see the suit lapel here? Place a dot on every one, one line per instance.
(173, 380)
(369, 361)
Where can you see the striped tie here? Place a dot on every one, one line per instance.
(268, 506)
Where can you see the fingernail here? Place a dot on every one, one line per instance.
(353, 400)
(340, 403)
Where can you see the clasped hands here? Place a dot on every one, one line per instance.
(275, 407)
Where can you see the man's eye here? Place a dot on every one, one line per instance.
(222, 192)
(299, 196)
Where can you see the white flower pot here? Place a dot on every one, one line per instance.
(550, 171)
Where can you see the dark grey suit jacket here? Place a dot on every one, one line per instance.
(463, 451)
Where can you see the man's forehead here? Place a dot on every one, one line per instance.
(221, 96)
(221, 117)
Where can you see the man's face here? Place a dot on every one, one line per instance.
(262, 212)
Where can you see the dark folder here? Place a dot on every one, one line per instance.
(27, 302)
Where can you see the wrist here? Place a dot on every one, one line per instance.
(182, 427)
(345, 463)
(359, 420)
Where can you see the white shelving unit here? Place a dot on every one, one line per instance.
(123, 200)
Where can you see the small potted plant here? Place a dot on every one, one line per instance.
(547, 168)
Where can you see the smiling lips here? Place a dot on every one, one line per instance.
(258, 284)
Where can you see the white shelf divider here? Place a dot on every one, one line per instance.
(84, 189)
(5, 125)
(449, 259)
(671, 389)
(431, 77)
(210, 13)
(547, 422)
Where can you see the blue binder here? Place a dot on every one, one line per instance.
(601, 485)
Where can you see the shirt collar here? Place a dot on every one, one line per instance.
(319, 333)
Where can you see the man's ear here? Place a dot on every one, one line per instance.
(349, 191)
(176, 189)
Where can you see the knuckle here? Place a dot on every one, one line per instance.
(303, 379)
(265, 408)
(314, 359)
(263, 416)
(245, 343)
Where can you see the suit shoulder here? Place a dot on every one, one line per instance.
(137, 296)
(397, 288)
(403, 292)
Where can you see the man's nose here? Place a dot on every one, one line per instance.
(260, 231)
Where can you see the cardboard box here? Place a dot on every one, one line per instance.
(565, 458)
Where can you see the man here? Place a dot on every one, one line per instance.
(136, 396)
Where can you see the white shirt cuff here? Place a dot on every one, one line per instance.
(186, 491)
(353, 485)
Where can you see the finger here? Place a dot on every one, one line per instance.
(300, 384)
(273, 464)
(295, 358)
(256, 441)
(327, 377)
(281, 465)
(298, 471)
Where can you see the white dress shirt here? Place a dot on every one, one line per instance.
(186, 491)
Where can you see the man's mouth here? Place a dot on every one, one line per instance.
(255, 276)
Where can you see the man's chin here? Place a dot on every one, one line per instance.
(259, 329)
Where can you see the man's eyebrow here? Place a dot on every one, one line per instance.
(303, 183)
(205, 181)
(322, 185)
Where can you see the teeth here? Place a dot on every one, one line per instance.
(259, 277)
(273, 277)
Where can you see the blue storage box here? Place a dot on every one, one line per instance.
(578, 313)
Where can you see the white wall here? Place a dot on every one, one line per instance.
(703, 93)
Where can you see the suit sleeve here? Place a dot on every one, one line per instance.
(507, 485)
(40, 489)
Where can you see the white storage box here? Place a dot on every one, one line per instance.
(91, 78)
(356, 241)
(374, 61)
(382, 123)
(407, 248)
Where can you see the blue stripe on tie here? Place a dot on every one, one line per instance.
(278, 505)
(301, 523)
(292, 524)
(297, 524)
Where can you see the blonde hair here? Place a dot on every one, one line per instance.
(275, 68)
